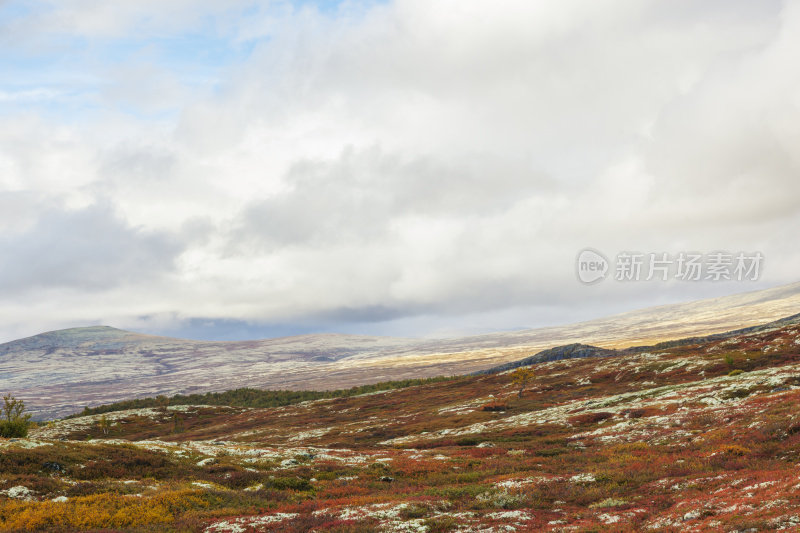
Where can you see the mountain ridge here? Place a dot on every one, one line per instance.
(50, 371)
(580, 351)
(749, 297)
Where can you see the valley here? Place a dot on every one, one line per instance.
(701, 436)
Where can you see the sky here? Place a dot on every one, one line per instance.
(227, 169)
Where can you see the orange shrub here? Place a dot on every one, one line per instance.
(98, 511)
(733, 449)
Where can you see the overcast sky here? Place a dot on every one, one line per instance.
(228, 169)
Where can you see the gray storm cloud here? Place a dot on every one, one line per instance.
(88, 250)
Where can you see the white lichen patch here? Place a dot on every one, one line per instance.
(19, 492)
(23, 443)
(310, 434)
(464, 407)
(63, 428)
(583, 478)
(249, 523)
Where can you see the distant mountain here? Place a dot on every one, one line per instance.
(581, 351)
(60, 372)
(96, 338)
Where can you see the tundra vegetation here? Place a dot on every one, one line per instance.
(651, 441)
(15, 422)
(521, 377)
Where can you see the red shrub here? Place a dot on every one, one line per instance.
(586, 419)
(494, 406)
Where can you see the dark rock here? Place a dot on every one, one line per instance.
(570, 351)
(54, 467)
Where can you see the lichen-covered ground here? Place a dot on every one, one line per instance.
(703, 437)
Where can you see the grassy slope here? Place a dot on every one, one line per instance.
(665, 441)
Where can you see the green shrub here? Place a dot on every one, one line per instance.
(413, 512)
(289, 483)
(247, 397)
(441, 524)
(15, 429)
(736, 394)
(16, 422)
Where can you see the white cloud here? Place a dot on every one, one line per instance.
(390, 161)
(107, 20)
(30, 95)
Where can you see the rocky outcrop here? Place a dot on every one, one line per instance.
(569, 351)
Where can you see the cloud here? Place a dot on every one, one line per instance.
(98, 19)
(732, 137)
(363, 192)
(31, 95)
(407, 163)
(85, 250)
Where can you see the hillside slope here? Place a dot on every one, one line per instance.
(696, 437)
(60, 372)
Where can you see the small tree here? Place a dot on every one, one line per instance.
(15, 422)
(104, 424)
(521, 377)
(162, 402)
(729, 360)
(177, 423)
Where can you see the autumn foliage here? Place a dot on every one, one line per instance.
(665, 441)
